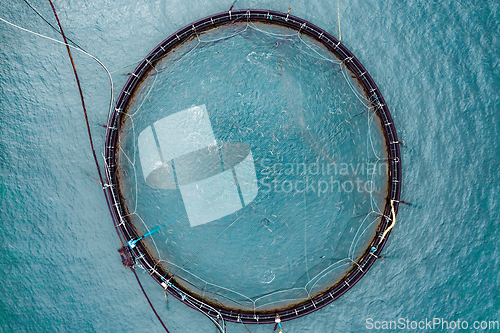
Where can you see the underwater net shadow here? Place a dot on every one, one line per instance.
(372, 98)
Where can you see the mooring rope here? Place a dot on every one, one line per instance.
(93, 151)
(393, 213)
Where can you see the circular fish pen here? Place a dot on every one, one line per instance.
(254, 166)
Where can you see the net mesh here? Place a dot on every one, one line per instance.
(253, 163)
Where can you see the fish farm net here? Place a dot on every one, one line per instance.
(254, 169)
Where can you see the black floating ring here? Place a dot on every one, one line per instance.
(124, 226)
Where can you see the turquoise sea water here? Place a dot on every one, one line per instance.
(437, 65)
